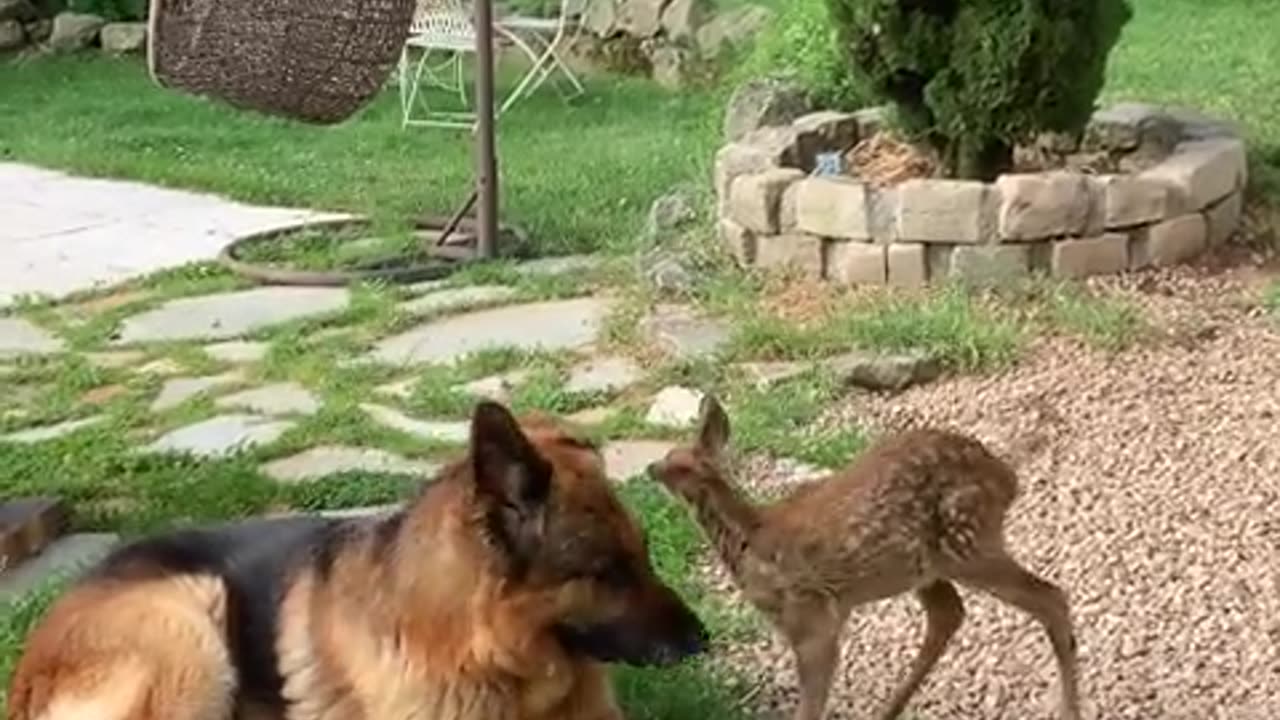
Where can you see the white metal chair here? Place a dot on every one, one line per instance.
(544, 40)
(439, 28)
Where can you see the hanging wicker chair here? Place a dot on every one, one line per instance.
(318, 61)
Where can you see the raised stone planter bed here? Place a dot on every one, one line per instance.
(1176, 191)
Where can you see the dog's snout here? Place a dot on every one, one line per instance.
(696, 642)
(653, 469)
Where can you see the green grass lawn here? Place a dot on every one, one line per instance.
(576, 176)
(1220, 57)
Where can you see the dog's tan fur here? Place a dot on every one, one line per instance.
(914, 513)
(435, 623)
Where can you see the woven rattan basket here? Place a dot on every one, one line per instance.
(318, 61)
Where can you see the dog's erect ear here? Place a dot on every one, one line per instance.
(713, 432)
(511, 473)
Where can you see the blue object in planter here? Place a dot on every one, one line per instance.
(829, 163)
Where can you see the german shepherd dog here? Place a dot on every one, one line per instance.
(496, 594)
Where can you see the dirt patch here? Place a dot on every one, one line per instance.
(885, 160)
(1154, 505)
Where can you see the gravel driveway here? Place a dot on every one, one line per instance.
(1157, 506)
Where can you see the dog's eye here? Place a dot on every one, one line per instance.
(615, 575)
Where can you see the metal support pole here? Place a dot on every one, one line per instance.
(486, 158)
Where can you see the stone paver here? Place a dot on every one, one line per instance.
(22, 337)
(458, 298)
(495, 387)
(625, 459)
(221, 436)
(63, 233)
(682, 332)
(161, 367)
(592, 416)
(27, 526)
(361, 512)
(446, 431)
(675, 406)
(50, 432)
(326, 460)
(398, 388)
(237, 351)
(116, 359)
(554, 325)
(64, 559)
(603, 375)
(884, 371)
(227, 315)
(765, 375)
(179, 390)
(286, 398)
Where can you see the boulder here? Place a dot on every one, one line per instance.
(731, 29)
(764, 102)
(19, 10)
(672, 66)
(673, 211)
(124, 37)
(39, 31)
(682, 18)
(12, 36)
(640, 18)
(601, 18)
(74, 31)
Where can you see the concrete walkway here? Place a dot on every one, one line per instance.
(60, 233)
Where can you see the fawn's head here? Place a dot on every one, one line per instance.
(690, 470)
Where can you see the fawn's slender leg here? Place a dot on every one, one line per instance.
(944, 614)
(1004, 578)
(813, 628)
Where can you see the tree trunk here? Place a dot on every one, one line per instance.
(980, 160)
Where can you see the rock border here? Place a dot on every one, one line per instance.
(773, 212)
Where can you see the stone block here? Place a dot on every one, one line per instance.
(907, 265)
(937, 260)
(1204, 171)
(1130, 200)
(989, 264)
(1078, 258)
(777, 143)
(795, 251)
(1130, 127)
(952, 211)
(825, 131)
(737, 159)
(738, 241)
(787, 209)
(857, 263)
(754, 198)
(832, 207)
(1095, 221)
(882, 212)
(1169, 243)
(123, 37)
(1223, 219)
(1042, 205)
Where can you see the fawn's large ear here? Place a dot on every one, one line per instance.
(511, 474)
(713, 431)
